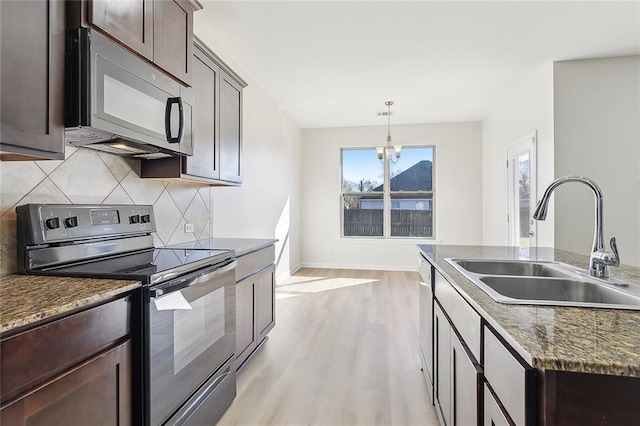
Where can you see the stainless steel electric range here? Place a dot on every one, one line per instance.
(184, 322)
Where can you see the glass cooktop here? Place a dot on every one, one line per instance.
(149, 266)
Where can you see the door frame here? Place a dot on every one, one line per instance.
(525, 144)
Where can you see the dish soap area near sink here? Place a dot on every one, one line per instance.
(546, 283)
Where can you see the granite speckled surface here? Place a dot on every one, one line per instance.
(27, 299)
(241, 246)
(589, 340)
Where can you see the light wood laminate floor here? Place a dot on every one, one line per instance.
(344, 352)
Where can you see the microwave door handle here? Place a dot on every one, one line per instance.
(167, 119)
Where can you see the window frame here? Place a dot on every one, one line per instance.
(386, 196)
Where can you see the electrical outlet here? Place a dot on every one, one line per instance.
(188, 227)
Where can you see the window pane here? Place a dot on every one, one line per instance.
(412, 215)
(361, 171)
(413, 171)
(524, 212)
(362, 215)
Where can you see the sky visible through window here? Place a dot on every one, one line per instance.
(358, 164)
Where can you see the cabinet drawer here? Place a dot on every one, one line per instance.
(506, 376)
(36, 355)
(467, 321)
(442, 290)
(255, 261)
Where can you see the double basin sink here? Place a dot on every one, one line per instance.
(546, 283)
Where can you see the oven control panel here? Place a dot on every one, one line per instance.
(49, 223)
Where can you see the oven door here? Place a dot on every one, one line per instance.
(190, 335)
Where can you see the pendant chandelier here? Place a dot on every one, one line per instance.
(389, 152)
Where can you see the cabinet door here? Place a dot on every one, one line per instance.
(442, 365)
(467, 384)
(130, 22)
(245, 329)
(32, 42)
(493, 415)
(173, 37)
(426, 323)
(230, 129)
(265, 301)
(97, 392)
(204, 161)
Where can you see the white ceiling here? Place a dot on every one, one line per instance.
(333, 64)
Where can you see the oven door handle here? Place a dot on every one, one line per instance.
(157, 292)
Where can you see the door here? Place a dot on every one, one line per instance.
(205, 159)
(173, 37)
(96, 392)
(230, 129)
(32, 43)
(191, 330)
(521, 191)
(467, 384)
(265, 297)
(442, 366)
(138, 102)
(130, 22)
(245, 323)
(426, 323)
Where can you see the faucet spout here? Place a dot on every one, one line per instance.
(600, 258)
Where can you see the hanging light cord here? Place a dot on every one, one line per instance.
(389, 103)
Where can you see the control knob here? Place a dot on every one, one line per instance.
(52, 223)
(71, 222)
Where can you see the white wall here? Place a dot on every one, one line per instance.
(267, 205)
(519, 108)
(597, 119)
(458, 192)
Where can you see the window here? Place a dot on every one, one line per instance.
(387, 200)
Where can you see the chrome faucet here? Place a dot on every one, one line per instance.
(600, 259)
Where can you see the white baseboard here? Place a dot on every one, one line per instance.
(400, 268)
(287, 274)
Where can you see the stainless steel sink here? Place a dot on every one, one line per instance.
(496, 267)
(546, 283)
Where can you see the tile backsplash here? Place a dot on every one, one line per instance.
(89, 177)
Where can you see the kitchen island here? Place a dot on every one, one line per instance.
(574, 363)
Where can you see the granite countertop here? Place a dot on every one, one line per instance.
(27, 299)
(241, 246)
(589, 340)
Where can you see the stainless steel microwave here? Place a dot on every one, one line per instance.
(118, 103)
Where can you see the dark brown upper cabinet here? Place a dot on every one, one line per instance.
(32, 40)
(230, 129)
(217, 126)
(173, 37)
(159, 30)
(130, 22)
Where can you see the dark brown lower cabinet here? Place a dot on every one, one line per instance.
(245, 307)
(75, 370)
(255, 301)
(97, 392)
